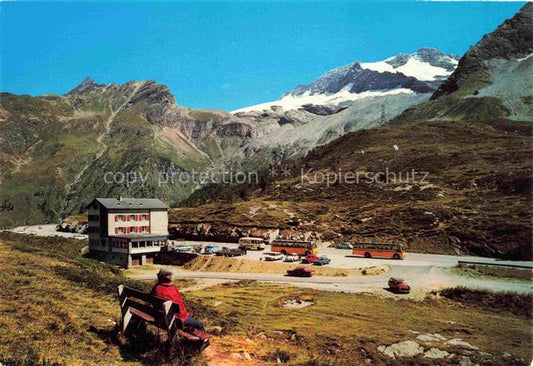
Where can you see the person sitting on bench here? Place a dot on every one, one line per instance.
(165, 290)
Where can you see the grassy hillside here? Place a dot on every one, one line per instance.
(476, 198)
(58, 307)
(56, 150)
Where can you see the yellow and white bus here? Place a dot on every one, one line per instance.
(250, 243)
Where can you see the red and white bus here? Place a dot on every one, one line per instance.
(299, 247)
(379, 250)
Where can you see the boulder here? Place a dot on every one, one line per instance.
(460, 343)
(402, 349)
(430, 337)
(435, 353)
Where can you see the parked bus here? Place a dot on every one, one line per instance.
(249, 243)
(377, 250)
(299, 247)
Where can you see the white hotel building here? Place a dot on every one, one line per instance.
(127, 231)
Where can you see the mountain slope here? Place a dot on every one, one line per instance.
(494, 79)
(57, 149)
(475, 199)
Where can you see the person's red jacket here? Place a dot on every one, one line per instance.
(166, 291)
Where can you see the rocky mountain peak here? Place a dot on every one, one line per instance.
(513, 39)
(430, 56)
(87, 83)
(153, 92)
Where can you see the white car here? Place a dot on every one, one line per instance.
(344, 245)
(183, 249)
(271, 257)
(291, 258)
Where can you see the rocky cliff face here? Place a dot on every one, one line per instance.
(512, 40)
(493, 79)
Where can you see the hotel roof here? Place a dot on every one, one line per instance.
(131, 203)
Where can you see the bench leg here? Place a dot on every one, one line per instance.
(126, 318)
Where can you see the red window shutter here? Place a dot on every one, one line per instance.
(116, 218)
(136, 229)
(128, 218)
(137, 217)
(116, 230)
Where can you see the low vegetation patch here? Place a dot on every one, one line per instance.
(491, 271)
(518, 304)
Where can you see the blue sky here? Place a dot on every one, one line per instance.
(223, 55)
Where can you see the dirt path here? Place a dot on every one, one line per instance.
(215, 357)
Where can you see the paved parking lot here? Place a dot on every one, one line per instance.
(342, 258)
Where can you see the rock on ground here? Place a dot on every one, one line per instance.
(435, 353)
(460, 343)
(402, 349)
(435, 337)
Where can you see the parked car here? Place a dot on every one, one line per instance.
(270, 257)
(398, 286)
(227, 252)
(300, 272)
(291, 258)
(182, 248)
(310, 258)
(322, 261)
(344, 245)
(211, 249)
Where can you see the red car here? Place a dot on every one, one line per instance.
(300, 272)
(398, 286)
(310, 258)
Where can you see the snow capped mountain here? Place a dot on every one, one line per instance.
(420, 72)
(427, 64)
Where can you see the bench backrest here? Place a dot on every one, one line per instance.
(162, 311)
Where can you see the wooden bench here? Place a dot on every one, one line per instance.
(156, 311)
